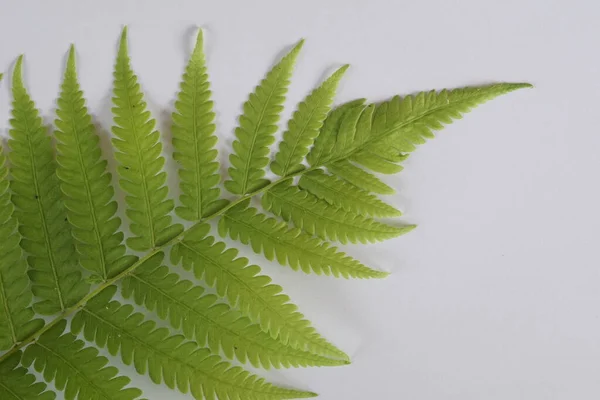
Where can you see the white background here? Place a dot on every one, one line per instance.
(496, 294)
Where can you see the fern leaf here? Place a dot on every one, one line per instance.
(320, 218)
(345, 195)
(257, 127)
(290, 246)
(251, 292)
(75, 369)
(169, 358)
(86, 185)
(209, 323)
(18, 384)
(409, 120)
(41, 214)
(16, 315)
(194, 140)
(305, 125)
(141, 164)
(359, 177)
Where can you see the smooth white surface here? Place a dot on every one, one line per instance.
(496, 294)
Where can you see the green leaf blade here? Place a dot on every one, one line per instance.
(358, 177)
(290, 246)
(317, 217)
(345, 195)
(305, 125)
(85, 182)
(168, 358)
(55, 276)
(139, 155)
(257, 127)
(16, 315)
(408, 121)
(16, 383)
(76, 369)
(194, 139)
(216, 325)
(253, 293)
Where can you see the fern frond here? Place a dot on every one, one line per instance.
(86, 184)
(290, 246)
(18, 384)
(317, 217)
(304, 126)
(253, 293)
(16, 316)
(40, 211)
(169, 358)
(257, 126)
(345, 195)
(359, 177)
(141, 163)
(216, 325)
(75, 369)
(194, 140)
(409, 120)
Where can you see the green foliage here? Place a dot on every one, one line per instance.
(76, 369)
(194, 141)
(167, 358)
(141, 163)
(39, 207)
(88, 193)
(202, 318)
(59, 231)
(16, 315)
(317, 217)
(304, 126)
(18, 384)
(246, 288)
(290, 246)
(345, 195)
(257, 128)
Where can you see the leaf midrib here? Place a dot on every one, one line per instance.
(49, 247)
(89, 193)
(134, 132)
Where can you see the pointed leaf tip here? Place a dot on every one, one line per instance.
(123, 41)
(71, 59)
(17, 80)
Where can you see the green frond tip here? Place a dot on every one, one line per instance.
(194, 141)
(17, 77)
(140, 161)
(305, 125)
(257, 127)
